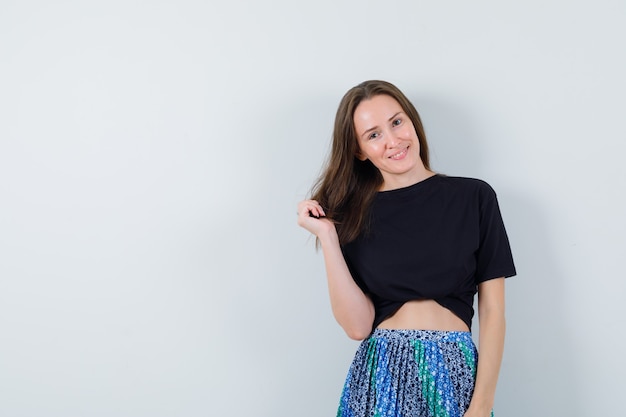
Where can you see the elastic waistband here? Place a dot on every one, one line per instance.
(411, 334)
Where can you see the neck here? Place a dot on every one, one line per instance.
(405, 181)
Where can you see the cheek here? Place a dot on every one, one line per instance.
(409, 130)
(371, 149)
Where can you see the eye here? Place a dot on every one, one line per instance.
(396, 122)
(373, 135)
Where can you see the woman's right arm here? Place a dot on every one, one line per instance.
(353, 310)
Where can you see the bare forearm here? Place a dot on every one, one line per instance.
(352, 309)
(491, 347)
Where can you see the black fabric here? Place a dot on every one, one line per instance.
(437, 239)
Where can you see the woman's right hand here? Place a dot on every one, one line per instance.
(353, 309)
(311, 216)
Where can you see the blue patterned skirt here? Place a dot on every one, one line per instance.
(405, 373)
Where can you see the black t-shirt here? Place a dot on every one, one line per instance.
(437, 239)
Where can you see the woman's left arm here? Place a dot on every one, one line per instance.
(490, 346)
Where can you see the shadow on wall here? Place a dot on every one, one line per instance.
(539, 370)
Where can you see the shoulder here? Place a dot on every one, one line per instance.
(468, 185)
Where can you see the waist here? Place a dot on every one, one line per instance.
(411, 335)
(424, 315)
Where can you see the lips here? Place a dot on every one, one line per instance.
(399, 155)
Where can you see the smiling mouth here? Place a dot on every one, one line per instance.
(400, 154)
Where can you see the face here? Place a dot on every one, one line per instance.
(387, 138)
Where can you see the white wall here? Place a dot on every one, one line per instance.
(152, 154)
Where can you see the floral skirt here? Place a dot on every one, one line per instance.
(411, 373)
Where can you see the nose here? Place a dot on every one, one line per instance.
(392, 140)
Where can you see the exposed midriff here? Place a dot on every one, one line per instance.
(424, 315)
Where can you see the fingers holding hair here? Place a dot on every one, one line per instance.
(310, 208)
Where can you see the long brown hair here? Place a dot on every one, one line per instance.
(348, 185)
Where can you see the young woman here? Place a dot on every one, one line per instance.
(405, 252)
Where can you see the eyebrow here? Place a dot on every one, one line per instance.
(376, 127)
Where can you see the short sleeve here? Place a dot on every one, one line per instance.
(493, 258)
